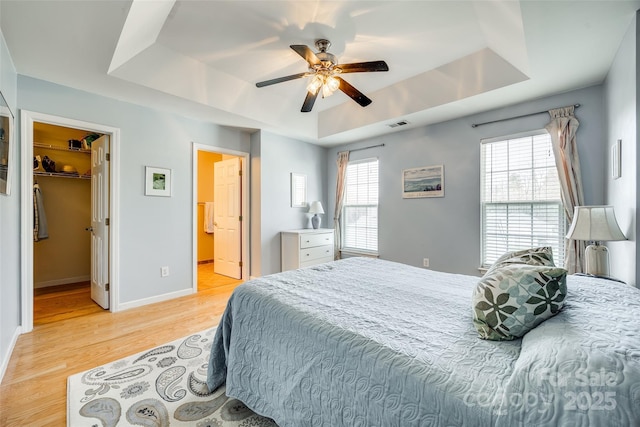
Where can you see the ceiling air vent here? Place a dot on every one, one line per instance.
(400, 123)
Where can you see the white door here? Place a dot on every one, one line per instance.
(99, 221)
(226, 236)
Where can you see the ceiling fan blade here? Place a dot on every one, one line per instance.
(363, 67)
(353, 93)
(306, 53)
(309, 100)
(280, 79)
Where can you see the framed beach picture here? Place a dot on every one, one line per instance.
(157, 181)
(427, 181)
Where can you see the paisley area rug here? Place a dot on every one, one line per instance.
(164, 386)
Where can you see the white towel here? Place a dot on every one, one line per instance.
(208, 218)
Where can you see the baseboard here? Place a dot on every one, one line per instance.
(64, 281)
(7, 356)
(205, 261)
(152, 300)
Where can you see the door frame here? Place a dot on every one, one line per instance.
(244, 209)
(27, 118)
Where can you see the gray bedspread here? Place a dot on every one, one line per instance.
(366, 342)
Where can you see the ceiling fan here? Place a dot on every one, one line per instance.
(324, 70)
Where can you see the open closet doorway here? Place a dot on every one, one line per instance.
(220, 209)
(67, 184)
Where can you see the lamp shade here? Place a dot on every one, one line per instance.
(594, 223)
(316, 208)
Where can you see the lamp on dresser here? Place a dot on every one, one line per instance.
(595, 224)
(315, 208)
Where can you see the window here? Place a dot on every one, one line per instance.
(360, 209)
(520, 197)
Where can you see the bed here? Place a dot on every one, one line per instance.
(367, 342)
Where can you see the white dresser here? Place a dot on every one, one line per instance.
(302, 248)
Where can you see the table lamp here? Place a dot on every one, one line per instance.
(315, 208)
(595, 224)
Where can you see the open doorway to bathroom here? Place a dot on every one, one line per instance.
(220, 209)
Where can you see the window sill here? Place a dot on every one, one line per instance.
(355, 253)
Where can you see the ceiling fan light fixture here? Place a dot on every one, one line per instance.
(327, 83)
(326, 91)
(315, 85)
(332, 83)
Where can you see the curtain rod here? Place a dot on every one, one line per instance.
(475, 125)
(365, 148)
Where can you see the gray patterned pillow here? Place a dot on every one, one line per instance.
(534, 256)
(512, 299)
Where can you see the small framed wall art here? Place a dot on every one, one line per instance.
(426, 181)
(157, 182)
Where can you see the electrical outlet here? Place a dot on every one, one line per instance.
(164, 271)
(425, 262)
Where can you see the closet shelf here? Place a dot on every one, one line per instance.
(61, 175)
(60, 148)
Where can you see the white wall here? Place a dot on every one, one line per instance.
(9, 227)
(447, 230)
(621, 99)
(278, 156)
(154, 231)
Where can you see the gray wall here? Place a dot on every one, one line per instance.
(154, 231)
(278, 158)
(621, 87)
(9, 226)
(447, 230)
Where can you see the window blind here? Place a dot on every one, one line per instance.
(520, 197)
(360, 209)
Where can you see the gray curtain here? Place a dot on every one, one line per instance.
(343, 160)
(562, 128)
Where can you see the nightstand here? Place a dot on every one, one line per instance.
(306, 247)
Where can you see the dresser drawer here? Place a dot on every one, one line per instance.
(315, 253)
(320, 239)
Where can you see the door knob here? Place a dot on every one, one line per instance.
(89, 229)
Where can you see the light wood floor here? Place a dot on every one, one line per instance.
(34, 388)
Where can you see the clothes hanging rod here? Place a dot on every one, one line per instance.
(475, 125)
(366, 148)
